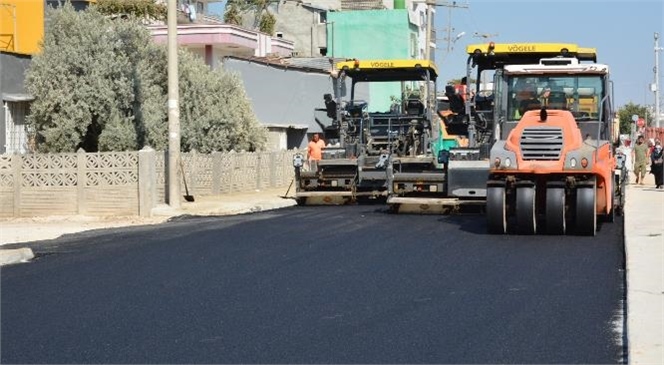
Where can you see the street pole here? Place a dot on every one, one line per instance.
(657, 101)
(332, 36)
(173, 109)
(449, 27)
(450, 6)
(427, 50)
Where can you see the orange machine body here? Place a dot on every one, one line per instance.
(599, 161)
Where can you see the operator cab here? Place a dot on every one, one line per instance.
(487, 62)
(583, 90)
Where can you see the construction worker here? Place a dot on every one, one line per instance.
(529, 101)
(315, 150)
(462, 88)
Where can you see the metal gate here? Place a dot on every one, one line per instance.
(16, 140)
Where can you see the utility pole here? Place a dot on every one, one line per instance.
(427, 51)
(450, 6)
(431, 4)
(656, 69)
(173, 109)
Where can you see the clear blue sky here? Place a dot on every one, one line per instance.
(622, 32)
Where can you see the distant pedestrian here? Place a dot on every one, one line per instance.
(657, 162)
(652, 143)
(640, 154)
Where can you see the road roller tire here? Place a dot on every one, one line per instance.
(555, 211)
(496, 212)
(526, 219)
(586, 211)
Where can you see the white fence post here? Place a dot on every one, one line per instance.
(147, 181)
(233, 166)
(193, 172)
(216, 173)
(258, 170)
(17, 161)
(80, 181)
(273, 169)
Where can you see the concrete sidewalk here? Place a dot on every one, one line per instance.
(644, 246)
(644, 255)
(19, 230)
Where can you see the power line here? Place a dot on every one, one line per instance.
(450, 6)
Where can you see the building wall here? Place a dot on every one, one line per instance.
(371, 34)
(21, 25)
(374, 34)
(12, 77)
(306, 31)
(282, 97)
(302, 23)
(299, 22)
(286, 97)
(418, 17)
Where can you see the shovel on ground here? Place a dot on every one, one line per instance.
(285, 196)
(187, 197)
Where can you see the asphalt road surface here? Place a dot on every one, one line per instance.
(346, 284)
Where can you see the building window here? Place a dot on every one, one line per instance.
(15, 127)
(322, 17)
(413, 45)
(322, 51)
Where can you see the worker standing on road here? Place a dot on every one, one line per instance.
(640, 155)
(315, 151)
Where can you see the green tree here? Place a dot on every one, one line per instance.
(233, 15)
(215, 112)
(267, 23)
(263, 20)
(101, 84)
(145, 9)
(82, 81)
(625, 115)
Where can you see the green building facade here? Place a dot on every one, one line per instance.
(373, 34)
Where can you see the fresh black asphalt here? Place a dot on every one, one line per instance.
(348, 284)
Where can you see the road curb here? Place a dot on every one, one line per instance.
(15, 256)
(229, 208)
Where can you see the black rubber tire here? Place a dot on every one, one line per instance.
(496, 212)
(555, 211)
(586, 210)
(526, 219)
